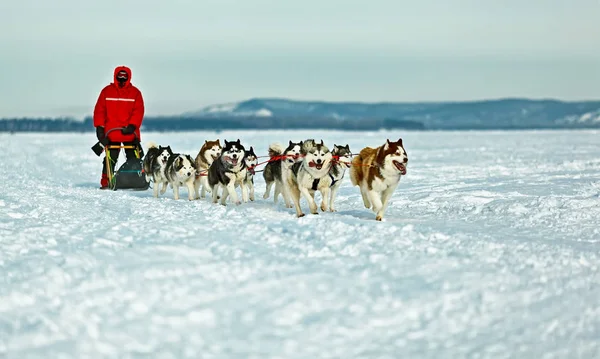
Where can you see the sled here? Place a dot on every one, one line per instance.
(131, 173)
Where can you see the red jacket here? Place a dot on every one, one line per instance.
(119, 107)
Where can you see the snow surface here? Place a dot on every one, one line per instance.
(490, 249)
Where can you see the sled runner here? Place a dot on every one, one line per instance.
(131, 173)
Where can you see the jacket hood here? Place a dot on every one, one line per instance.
(122, 68)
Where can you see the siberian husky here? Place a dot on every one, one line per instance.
(311, 175)
(154, 165)
(228, 171)
(251, 160)
(278, 169)
(377, 171)
(210, 151)
(181, 171)
(342, 160)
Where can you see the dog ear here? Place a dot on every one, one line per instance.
(400, 142)
(291, 143)
(347, 147)
(238, 141)
(178, 164)
(387, 145)
(205, 141)
(226, 143)
(251, 149)
(322, 144)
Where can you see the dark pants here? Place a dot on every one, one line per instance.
(114, 155)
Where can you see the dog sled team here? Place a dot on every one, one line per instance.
(299, 170)
(294, 172)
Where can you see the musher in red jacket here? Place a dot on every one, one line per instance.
(120, 104)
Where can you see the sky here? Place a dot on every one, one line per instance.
(56, 56)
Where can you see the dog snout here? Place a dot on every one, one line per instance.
(189, 174)
(319, 161)
(405, 159)
(234, 156)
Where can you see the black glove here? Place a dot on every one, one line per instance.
(101, 136)
(128, 130)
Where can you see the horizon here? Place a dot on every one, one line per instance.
(350, 102)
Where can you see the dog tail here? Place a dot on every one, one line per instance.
(275, 149)
(354, 170)
(308, 145)
(148, 159)
(151, 144)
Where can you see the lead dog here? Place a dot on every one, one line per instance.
(377, 171)
(311, 175)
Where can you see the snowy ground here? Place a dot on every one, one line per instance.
(490, 249)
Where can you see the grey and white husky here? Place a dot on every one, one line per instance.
(227, 171)
(277, 170)
(180, 171)
(342, 160)
(311, 175)
(154, 165)
(251, 160)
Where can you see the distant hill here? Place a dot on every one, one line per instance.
(487, 114)
(273, 113)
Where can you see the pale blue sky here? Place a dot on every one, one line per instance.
(55, 56)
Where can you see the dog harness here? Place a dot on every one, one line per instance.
(315, 183)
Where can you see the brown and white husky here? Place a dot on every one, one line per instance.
(377, 171)
(210, 151)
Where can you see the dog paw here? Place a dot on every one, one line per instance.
(301, 215)
(238, 203)
(332, 210)
(378, 218)
(265, 196)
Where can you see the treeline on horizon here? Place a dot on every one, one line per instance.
(180, 123)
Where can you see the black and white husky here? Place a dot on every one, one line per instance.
(342, 160)
(181, 171)
(277, 170)
(311, 175)
(154, 165)
(228, 171)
